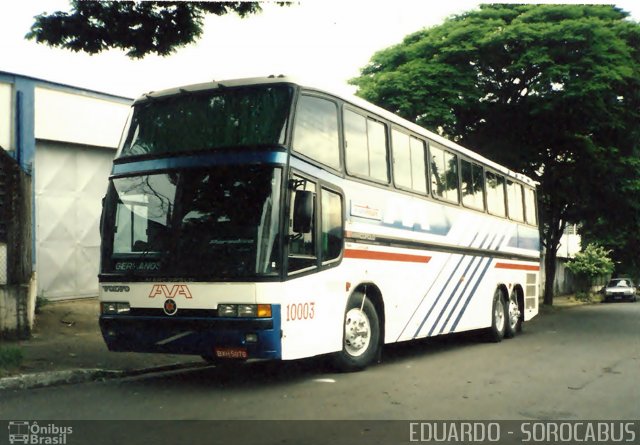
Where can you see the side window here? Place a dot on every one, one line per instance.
(444, 174)
(356, 144)
(514, 201)
(531, 213)
(365, 147)
(332, 231)
(378, 159)
(472, 185)
(316, 130)
(408, 162)
(495, 194)
(302, 245)
(418, 165)
(401, 159)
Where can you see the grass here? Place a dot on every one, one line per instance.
(10, 357)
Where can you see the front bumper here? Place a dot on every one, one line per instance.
(193, 335)
(618, 296)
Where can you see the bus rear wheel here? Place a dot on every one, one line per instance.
(361, 338)
(498, 318)
(514, 317)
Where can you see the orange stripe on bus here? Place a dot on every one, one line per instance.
(516, 266)
(386, 256)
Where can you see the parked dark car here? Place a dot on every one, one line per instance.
(620, 289)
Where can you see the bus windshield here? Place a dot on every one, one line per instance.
(213, 223)
(221, 118)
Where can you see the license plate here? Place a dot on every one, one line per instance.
(231, 353)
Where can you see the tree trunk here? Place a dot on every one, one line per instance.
(550, 258)
(552, 236)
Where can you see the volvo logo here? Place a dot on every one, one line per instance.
(170, 307)
(116, 288)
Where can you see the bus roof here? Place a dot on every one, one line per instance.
(349, 98)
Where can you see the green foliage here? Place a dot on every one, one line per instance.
(592, 262)
(584, 295)
(140, 28)
(552, 91)
(10, 357)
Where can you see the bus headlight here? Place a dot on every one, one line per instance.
(244, 310)
(227, 310)
(247, 310)
(114, 308)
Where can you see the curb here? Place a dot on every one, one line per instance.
(74, 376)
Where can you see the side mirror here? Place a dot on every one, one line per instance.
(303, 211)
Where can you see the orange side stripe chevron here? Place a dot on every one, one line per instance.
(386, 256)
(516, 266)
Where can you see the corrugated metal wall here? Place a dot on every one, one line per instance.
(70, 181)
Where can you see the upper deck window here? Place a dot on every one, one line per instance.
(444, 174)
(530, 206)
(316, 130)
(515, 201)
(409, 167)
(495, 185)
(365, 147)
(472, 184)
(233, 117)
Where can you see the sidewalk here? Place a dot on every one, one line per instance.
(66, 346)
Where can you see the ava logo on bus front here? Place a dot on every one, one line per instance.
(173, 292)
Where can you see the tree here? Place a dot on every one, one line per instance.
(140, 28)
(552, 91)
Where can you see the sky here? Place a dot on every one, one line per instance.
(324, 42)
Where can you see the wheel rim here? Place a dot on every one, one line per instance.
(514, 313)
(357, 332)
(499, 314)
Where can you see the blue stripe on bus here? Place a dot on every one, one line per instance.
(433, 283)
(434, 228)
(472, 278)
(438, 297)
(525, 238)
(455, 290)
(451, 296)
(468, 300)
(431, 287)
(445, 286)
(466, 303)
(209, 159)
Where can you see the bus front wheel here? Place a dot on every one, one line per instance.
(361, 338)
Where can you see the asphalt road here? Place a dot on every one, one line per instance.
(574, 363)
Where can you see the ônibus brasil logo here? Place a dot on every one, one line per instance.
(32, 433)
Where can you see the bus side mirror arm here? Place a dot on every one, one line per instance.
(303, 211)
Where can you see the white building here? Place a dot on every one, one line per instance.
(66, 138)
(569, 246)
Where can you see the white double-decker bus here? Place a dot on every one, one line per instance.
(260, 218)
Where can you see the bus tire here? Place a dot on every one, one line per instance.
(496, 332)
(513, 323)
(361, 335)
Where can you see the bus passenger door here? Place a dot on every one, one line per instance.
(313, 307)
